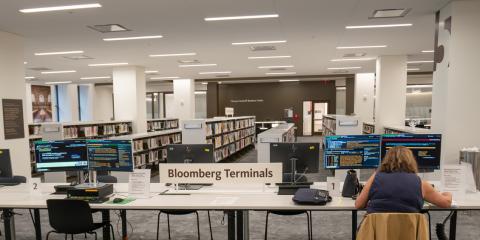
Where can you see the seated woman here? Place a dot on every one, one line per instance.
(395, 186)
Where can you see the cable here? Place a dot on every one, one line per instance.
(440, 228)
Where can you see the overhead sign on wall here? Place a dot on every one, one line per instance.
(13, 125)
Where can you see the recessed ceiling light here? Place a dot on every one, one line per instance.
(351, 59)
(60, 8)
(93, 78)
(57, 53)
(420, 86)
(360, 47)
(281, 73)
(208, 73)
(260, 42)
(25, 63)
(427, 51)
(132, 38)
(390, 13)
(413, 69)
(163, 78)
(151, 71)
(241, 17)
(106, 64)
(205, 83)
(198, 65)
(420, 61)
(63, 82)
(341, 88)
(268, 67)
(57, 72)
(289, 80)
(269, 57)
(343, 68)
(219, 82)
(200, 92)
(108, 28)
(380, 26)
(30, 77)
(172, 54)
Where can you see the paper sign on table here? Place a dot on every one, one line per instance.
(454, 181)
(139, 183)
(34, 186)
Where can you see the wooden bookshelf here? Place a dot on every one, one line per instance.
(162, 124)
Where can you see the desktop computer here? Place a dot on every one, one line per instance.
(352, 152)
(110, 155)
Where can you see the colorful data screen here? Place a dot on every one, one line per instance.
(64, 155)
(425, 147)
(110, 155)
(352, 151)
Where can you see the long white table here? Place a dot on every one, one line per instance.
(237, 200)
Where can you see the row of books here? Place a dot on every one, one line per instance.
(230, 149)
(216, 128)
(156, 142)
(228, 138)
(159, 125)
(368, 128)
(34, 129)
(144, 159)
(81, 131)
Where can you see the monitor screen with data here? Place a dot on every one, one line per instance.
(352, 151)
(64, 155)
(110, 155)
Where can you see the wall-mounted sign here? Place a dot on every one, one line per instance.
(246, 100)
(13, 125)
(233, 173)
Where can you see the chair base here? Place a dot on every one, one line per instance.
(291, 213)
(180, 212)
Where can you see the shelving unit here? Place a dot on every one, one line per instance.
(282, 133)
(340, 125)
(264, 126)
(329, 125)
(368, 128)
(150, 148)
(162, 124)
(405, 129)
(228, 135)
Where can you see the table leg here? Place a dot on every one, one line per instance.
(123, 215)
(231, 225)
(106, 229)
(453, 226)
(246, 225)
(354, 224)
(38, 224)
(9, 224)
(239, 225)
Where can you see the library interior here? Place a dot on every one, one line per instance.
(326, 119)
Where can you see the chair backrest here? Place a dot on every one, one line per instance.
(394, 226)
(5, 164)
(69, 216)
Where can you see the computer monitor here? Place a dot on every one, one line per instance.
(110, 155)
(297, 158)
(190, 153)
(352, 151)
(5, 164)
(64, 155)
(425, 147)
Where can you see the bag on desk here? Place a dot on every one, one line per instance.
(307, 196)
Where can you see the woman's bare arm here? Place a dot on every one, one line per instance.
(443, 200)
(362, 199)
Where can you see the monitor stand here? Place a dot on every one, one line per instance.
(291, 187)
(92, 181)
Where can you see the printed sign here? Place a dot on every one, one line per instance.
(34, 186)
(221, 173)
(454, 181)
(139, 183)
(13, 124)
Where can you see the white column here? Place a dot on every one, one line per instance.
(455, 99)
(391, 85)
(364, 96)
(103, 107)
(12, 82)
(341, 96)
(87, 99)
(184, 98)
(28, 103)
(68, 103)
(129, 93)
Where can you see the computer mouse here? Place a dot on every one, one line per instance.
(117, 200)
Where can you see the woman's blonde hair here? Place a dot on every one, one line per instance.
(399, 159)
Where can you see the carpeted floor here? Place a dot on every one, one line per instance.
(327, 225)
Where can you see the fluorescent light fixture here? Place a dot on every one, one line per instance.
(343, 68)
(57, 53)
(25, 63)
(351, 59)
(151, 71)
(241, 17)
(289, 80)
(341, 88)
(427, 51)
(281, 73)
(361, 47)
(420, 86)
(380, 26)
(259, 42)
(268, 67)
(106, 64)
(413, 69)
(208, 73)
(421, 61)
(60, 8)
(269, 57)
(205, 83)
(200, 92)
(53, 83)
(93, 78)
(132, 38)
(163, 78)
(172, 54)
(29, 77)
(197, 65)
(57, 72)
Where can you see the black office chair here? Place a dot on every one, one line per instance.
(183, 212)
(71, 217)
(291, 213)
(14, 180)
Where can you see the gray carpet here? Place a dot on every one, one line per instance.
(327, 225)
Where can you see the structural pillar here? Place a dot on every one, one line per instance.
(184, 98)
(391, 85)
(364, 96)
(68, 110)
(129, 96)
(456, 86)
(86, 101)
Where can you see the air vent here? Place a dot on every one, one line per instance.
(351, 55)
(188, 61)
(390, 13)
(263, 48)
(108, 28)
(79, 57)
(278, 69)
(40, 69)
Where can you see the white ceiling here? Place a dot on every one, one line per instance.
(313, 29)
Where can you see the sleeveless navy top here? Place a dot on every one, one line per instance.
(395, 192)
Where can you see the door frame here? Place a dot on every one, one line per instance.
(312, 110)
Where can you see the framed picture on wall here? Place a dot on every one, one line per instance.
(41, 104)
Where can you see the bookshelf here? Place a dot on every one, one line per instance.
(150, 148)
(282, 133)
(405, 129)
(341, 125)
(329, 125)
(228, 135)
(368, 128)
(161, 124)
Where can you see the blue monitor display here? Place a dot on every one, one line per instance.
(425, 147)
(110, 155)
(64, 155)
(352, 151)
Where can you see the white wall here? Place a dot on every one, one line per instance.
(184, 98)
(12, 82)
(201, 105)
(87, 98)
(103, 107)
(68, 103)
(364, 96)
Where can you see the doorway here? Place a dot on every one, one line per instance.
(313, 112)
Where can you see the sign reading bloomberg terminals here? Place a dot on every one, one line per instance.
(221, 173)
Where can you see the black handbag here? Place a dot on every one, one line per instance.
(307, 196)
(351, 186)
